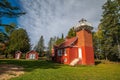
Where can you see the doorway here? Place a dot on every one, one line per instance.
(80, 53)
(32, 56)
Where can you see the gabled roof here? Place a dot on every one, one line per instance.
(68, 42)
(32, 51)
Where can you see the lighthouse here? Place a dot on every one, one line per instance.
(85, 43)
(78, 49)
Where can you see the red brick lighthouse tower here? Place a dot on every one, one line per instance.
(85, 44)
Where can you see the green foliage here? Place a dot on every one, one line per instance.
(108, 34)
(97, 42)
(55, 41)
(3, 37)
(47, 70)
(59, 41)
(9, 29)
(19, 40)
(40, 46)
(71, 33)
(7, 10)
(3, 42)
(51, 43)
(62, 37)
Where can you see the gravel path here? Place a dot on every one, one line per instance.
(8, 71)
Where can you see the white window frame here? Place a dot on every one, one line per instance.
(59, 52)
(65, 54)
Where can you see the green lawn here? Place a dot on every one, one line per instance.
(47, 70)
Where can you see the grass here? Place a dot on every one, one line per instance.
(47, 70)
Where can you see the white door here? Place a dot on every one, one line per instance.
(80, 53)
(18, 56)
(32, 56)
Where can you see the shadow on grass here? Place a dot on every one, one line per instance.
(97, 62)
(30, 65)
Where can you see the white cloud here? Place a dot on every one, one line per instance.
(53, 17)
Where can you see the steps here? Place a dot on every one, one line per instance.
(75, 61)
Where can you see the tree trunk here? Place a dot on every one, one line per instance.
(6, 55)
(106, 58)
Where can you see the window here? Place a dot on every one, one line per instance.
(59, 53)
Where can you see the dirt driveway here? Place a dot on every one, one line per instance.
(8, 71)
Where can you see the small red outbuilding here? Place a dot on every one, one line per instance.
(32, 55)
(18, 54)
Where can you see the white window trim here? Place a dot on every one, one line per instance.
(65, 54)
(59, 53)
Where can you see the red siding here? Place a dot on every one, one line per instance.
(32, 52)
(85, 43)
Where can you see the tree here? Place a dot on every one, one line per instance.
(58, 41)
(62, 37)
(9, 11)
(3, 41)
(71, 33)
(9, 30)
(3, 37)
(97, 37)
(19, 41)
(2, 47)
(40, 46)
(50, 45)
(110, 29)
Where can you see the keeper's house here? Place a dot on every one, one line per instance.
(76, 50)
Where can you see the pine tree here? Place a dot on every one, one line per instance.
(3, 37)
(40, 46)
(9, 11)
(19, 41)
(71, 33)
(50, 45)
(59, 41)
(110, 27)
(97, 37)
(62, 37)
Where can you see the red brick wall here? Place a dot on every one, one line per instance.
(85, 42)
(73, 53)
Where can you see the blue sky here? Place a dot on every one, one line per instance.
(53, 17)
(6, 20)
